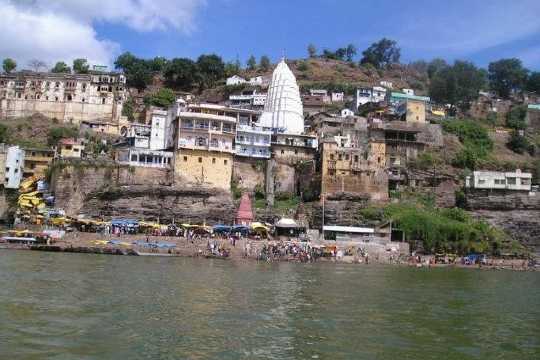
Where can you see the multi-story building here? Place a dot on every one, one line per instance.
(14, 166)
(366, 95)
(37, 161)
(69, 98)
(248, 99)
(411, 107)
(205, 146)
(253, 141)
(496, 180)
(145, 157)
(70, 148)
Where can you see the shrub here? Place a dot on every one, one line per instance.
(515, 118)
(259, 192)
(475, 139)
(57, 133)
(519, 144)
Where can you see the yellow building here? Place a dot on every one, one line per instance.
(416, 111)
(70, 148)
(204, 168)
(204, 147)
(36, 161)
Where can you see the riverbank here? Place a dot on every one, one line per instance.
(248, 250)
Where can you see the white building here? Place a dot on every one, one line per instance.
(249, 99)
(337, 97)
(14, 167)
(162, 126)
(253, 141)
(235, 80)
(496, 180)
(408, 91)
(363, 96)
(283, 110)
(386, 84)
(145, 158)
(256, 81)
(347, 113)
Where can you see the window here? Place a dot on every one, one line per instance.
(103, 101)
(69, 98)
(511, 181)
(134, 157)
(200, 159)
(295, 151)
(185, 158)
(355, 158)
(213, 160)
(282, 152)
(481, 181)
(340, 157)
(346, 156)
(332, 172)
(525, 181)
(499, 181)
(17, 170)
(379, 159)
(331, 156)
(225, 162)
(7, 169)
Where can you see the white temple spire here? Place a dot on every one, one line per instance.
(283, 110)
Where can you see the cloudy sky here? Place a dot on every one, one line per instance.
(477, 30)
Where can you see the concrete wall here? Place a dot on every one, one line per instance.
(205, 168)
(249, 172)
(416, 111)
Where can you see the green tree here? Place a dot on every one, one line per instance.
(164, 98)
(157, 64)
(382, 53)
(506, 76)
(515, 118)
(181, 73)
(477, 144)
(9, 65)
(128, 109)
(457, 84)
(350, 52)
(61, 67)
(4, 133)
(312, 50)
(137, 71)
(231, 68)
(533, 82)
(80, 66)
(251, 63)
(211, 69)
(264, 63)
(519, 143)
(435, 66)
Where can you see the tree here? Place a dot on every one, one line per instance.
(533, 82)
(157, 64)
(137, 71)
(164, 98)
(515, 118)
(61, 67)
(128, 109)
(37, 65)
(80, 66)
(457, 84)
(519, 144)
(181, 73)
(382, 53)
(506, 76)
(435, 65)
(211, 69)
(55, 134)
(350, 52)
(9, 65)
(231, 68)
(4, 133)
(264, 63)
(251, 63)
(312, 51)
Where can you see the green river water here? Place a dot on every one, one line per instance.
(75, 306)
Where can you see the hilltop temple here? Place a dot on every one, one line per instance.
(283, 111)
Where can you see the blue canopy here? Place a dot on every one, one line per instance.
(124, 222)
(221, 228)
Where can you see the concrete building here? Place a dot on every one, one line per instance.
(410, 107)
(253, 141)
(337, 97)
(70, 148)
(71, 98)
(14, 166)
(495, 180)
(248, 99)
(37, 161)
(366, 95)
(283, 110)
(205, 146)
(145, 158)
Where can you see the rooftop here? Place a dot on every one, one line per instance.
(409, 97)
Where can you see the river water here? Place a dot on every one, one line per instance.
(76, 306)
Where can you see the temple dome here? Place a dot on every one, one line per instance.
(283, 110)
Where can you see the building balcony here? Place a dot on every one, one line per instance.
(253, 153)
(253, 143)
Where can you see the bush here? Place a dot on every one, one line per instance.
(519, 144)
(57, 133)
(164, 98)
(259, 192)
(475, 139)
(515, 118)
(4, 133)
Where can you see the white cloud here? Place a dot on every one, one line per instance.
(53, 30)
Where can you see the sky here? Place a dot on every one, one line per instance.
(99, 30)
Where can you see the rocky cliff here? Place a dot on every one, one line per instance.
(144, 193)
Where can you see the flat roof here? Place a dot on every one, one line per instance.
(197, 115)
(409, 97)
(349, 229)
(534, 106)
